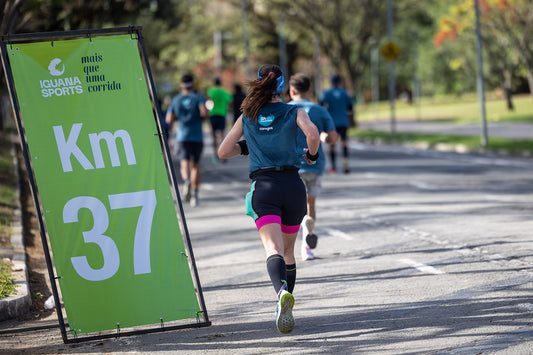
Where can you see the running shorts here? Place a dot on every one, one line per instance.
(191, 151)
(218, 123)
(277, 197)
(313, 183)
(342, 132)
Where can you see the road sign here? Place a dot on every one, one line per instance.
(390, 51)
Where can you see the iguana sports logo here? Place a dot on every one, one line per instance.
(52, 67)
(62, 86)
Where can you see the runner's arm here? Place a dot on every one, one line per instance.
(170, 117)
(329, 137)
(229, 147)
(203, 111)
(311, 133)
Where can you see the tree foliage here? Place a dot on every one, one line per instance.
(436, 39)
(507, 30)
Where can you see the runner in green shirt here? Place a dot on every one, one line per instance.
(217, 116)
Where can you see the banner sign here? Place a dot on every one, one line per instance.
(102, 181)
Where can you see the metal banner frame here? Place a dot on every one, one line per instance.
(135, 32)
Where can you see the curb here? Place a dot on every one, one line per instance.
(18, 303)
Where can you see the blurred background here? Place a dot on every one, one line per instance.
(420, 53)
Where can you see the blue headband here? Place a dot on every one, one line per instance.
(280, 82)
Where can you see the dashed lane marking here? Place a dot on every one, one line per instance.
(337, 233)
(426, 269)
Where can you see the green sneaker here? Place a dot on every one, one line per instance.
(284, 318)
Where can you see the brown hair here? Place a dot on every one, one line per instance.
(261, 90)
(300, 82)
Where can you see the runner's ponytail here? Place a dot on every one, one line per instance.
(260, 91)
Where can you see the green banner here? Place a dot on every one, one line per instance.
(103, 185)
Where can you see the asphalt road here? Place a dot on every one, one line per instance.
(419, 253)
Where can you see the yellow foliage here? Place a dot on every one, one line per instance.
(455, 64)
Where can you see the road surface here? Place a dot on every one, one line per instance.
(419, 252)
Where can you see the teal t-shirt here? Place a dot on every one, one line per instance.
(187, 111)
(323, 121)
(271, 139)
(338, 103)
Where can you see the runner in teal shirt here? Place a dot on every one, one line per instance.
(188, 108)
(340, 107)
(300, 88)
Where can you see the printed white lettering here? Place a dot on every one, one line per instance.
(68, 147)
(61, 86)
(110, 139)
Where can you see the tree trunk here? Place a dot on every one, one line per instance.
(530, 82)
(528, 56)
(10, 11)
(507, 88)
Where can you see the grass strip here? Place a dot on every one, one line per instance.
(472, 143)
(7, 285)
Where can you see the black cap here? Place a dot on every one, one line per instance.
(187, 80)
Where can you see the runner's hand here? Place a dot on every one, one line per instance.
(309, 161)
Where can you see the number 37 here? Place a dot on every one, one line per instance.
(141, 246)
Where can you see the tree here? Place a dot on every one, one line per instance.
(346, 31)
(342, 27)
(513, 21)
(507, 27)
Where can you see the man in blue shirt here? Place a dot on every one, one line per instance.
(340, 107)
(300, 88)
(188, 108)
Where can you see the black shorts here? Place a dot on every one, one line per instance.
(191, 151)
(218, 123)
(277, 197)
(342, 132)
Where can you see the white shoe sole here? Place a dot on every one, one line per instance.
(285, 320)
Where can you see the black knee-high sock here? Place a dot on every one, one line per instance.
(277, 270)
(345, 152)
(291, 277)
(332, 157)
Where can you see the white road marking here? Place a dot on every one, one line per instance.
(422, 267)
(527, 307)
(338, 233)
(423, 186)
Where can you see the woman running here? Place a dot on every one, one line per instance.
(277, 200)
